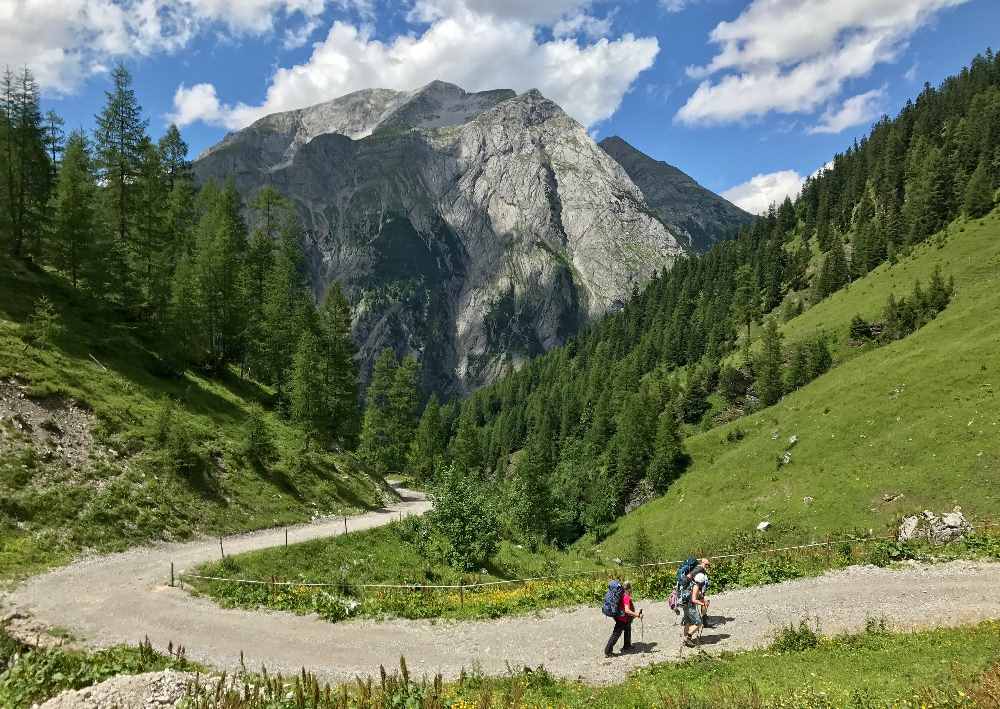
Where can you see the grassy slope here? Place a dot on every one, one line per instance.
(869, 669)
(48, 512)
(919, 418)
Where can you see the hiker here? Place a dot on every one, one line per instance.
(701, 580)
(693, 604)
(623, 619)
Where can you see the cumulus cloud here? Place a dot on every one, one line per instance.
(761, 191)
(792, 56)
(476, 51)
(854, 111)
(65, 41)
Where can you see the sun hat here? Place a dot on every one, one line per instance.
(700, 577)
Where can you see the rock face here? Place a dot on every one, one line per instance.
(949, 527)
(698, 215)
(472, 229)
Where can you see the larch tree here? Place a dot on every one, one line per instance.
(75, 219)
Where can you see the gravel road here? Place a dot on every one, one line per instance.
(121, 598)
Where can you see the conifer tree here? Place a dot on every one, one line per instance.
(118, 139)
(75, 222)
(669, 458)
(835, 273)
(770, 365)
(798, 369)
(309, 408)
(465, 451)
(404, 404)
(152, 264)
(426, 449)
(28, 174)
(819, 358)
(340, 372)
(376, 445)
(979, 192)
(746, 304)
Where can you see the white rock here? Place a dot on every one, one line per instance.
(763, 526)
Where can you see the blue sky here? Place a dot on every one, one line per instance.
(747, 97)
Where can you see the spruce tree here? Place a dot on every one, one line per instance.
(152, 264)
(75, 221)
(404, 403)
(28, 174)
(376, 445)
(746, 303)
(340, 372)
(798, 369)
(119, 140)
(426, 449)
(979, 193)
(770, 365)
(308, 403)
(669, 458)
(465, 451)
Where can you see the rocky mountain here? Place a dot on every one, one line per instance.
(474, 229)
(689, 210)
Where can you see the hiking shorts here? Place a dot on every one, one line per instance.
(691, 614)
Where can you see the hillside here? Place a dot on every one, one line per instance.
(102, 447)
(890, 431)
(697, 214)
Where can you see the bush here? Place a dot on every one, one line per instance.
(466, 518)
(795, 638)
(42, 326)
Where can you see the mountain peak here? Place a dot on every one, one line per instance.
(694, 212)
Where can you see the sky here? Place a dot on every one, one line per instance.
(747, 97)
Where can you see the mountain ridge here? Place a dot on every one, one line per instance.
(685, 206)
(472, 229)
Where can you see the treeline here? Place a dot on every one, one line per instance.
(576, 436)
(120, 215)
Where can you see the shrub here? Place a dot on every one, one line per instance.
(42, 326)
(795, 638)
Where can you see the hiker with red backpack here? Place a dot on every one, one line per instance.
(618, 604)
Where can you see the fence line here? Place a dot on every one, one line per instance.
(502, 582)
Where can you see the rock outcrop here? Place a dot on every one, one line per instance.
(949, 527)
(694, 213)
(473, 229)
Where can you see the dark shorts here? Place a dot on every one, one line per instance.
(691, 614)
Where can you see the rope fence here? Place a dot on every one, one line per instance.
(553, 577)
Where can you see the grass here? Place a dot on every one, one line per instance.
(888, 431)
(953, 668)
(877, 668)
(30, 675)
(394, 555)
(50, 511)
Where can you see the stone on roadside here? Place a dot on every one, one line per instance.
(763, 526)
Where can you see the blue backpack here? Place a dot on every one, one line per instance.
(685, 568)
(613, 600)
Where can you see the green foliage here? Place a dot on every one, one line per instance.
(427, 447)
(43, 325)
(391, 413)
(979, 192)
(795, 638)
(466, 518)
(258, 442)
(669, 457)
(770, 365)
(30, 675)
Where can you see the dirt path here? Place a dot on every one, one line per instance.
(123, 597)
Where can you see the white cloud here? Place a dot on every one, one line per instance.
(854, 111)
(761, 191)
(198, 103)
(792, 56)
(297, 37)
(911, 73)
(675, 5)
(584, 24)
(473, 50)
(65, 41)
(532, 12)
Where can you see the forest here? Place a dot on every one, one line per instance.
(215, 280)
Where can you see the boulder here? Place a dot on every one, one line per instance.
(949, 527)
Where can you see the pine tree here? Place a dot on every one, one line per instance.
(404, 405)
(152, 264)
(75, 222)
(746, 304)
(308, 403)
(54, 139)
(465, 452)
(835, 273)
(426, 450)
(979, 192)
(819, 358)
(340, 372)
(174, 157)
(669, 458)
(28, 178)
(798, 369)
(770, 365)
(119, 138)
(377, 428)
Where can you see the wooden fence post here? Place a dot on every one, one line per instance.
(286, 537)
(221, 550)
(345, 524)
(461, 594)
(171, 574)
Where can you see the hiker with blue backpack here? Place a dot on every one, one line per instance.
(688, 598)
(618, 604)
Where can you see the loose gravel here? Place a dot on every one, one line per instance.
(124, 597)
(153, 690)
